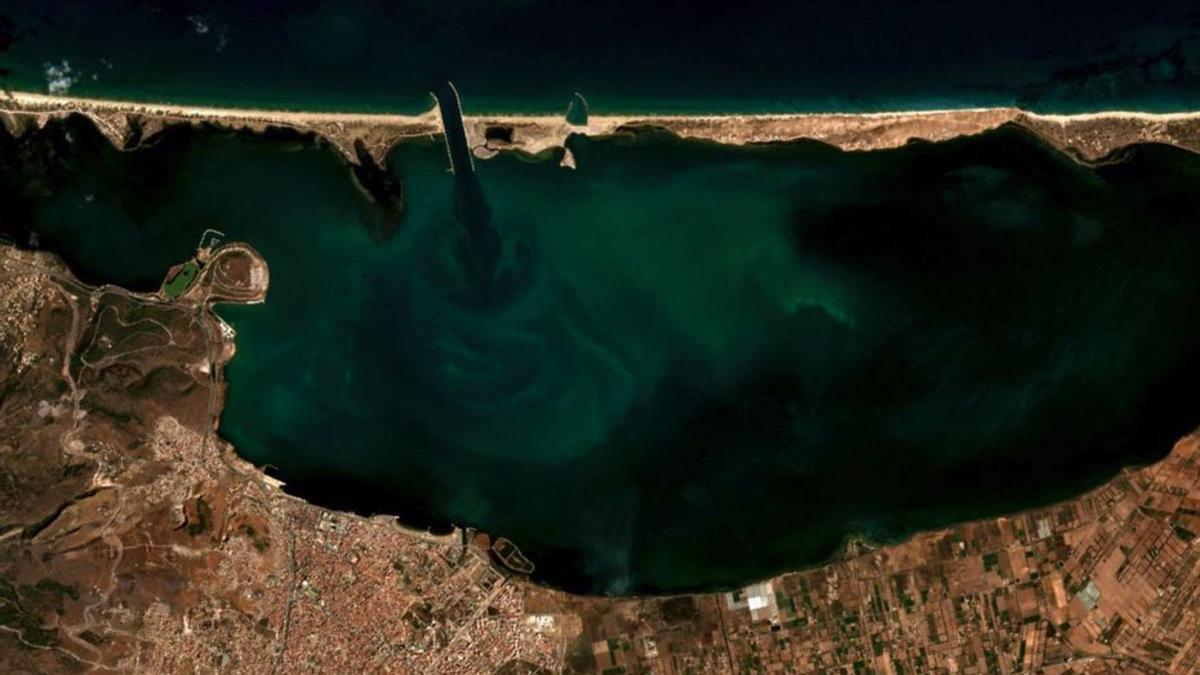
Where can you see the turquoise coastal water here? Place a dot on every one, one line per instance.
(624, 55)
(699, 365)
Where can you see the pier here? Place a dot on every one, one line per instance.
(450, 107)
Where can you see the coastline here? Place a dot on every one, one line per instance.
(1087, 137)
(259, 567)
(1109, 538)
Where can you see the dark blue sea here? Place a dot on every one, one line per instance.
(531, 55)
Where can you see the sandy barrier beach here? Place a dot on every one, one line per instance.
(1086, 137)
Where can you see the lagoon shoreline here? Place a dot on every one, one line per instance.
(1087, 137)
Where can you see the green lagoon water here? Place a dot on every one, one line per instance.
(705, 365)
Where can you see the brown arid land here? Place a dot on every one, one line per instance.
(134, 539)
(1087, 137)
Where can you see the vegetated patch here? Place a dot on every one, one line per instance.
(26, 623)
(203, 519)
(679, 610)
(92, 638)
(260, 542)
(182, 280)
(51, 587)
(162, 382)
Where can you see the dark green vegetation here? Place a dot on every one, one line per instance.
(22, 609)
(260, 542)
(203, 518)
(182, 280)
(698, 364)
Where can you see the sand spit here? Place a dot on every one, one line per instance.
(1086, 137)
